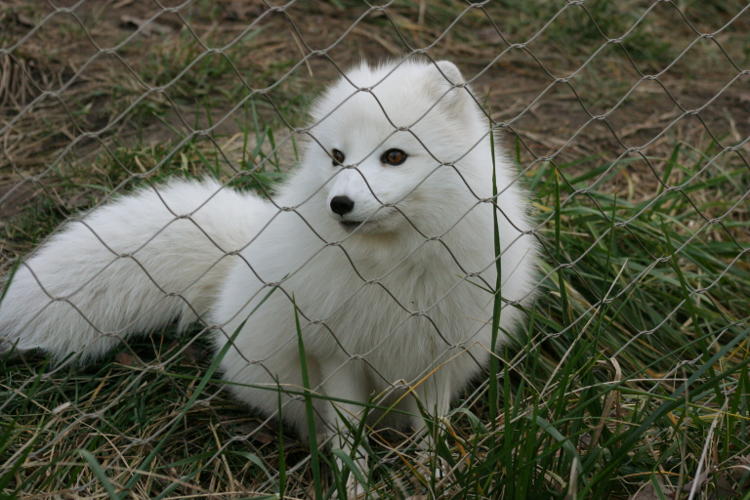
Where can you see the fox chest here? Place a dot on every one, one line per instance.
(400, 322)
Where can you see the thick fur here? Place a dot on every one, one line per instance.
(402, 298)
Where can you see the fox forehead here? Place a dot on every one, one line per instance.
(376, 111)
(395, 96)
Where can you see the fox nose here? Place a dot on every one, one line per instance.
(342, 204)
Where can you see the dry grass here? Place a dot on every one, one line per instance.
(647, 284)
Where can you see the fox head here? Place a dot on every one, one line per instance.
(389, 144)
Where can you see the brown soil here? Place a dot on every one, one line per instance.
(692, 99)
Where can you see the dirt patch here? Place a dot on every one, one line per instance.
(115, 73)
(14, 195)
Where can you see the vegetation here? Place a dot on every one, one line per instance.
(629, 378)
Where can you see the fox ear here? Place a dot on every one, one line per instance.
(450, 72)
(445, 82)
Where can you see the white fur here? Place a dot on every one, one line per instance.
(398, 298)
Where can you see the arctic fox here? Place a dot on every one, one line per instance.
(381, 245)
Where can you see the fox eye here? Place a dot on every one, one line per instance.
(393, 157)
(338, 157)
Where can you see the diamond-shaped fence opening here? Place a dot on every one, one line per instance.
(625, 373)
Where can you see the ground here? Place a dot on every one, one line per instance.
(629, 122)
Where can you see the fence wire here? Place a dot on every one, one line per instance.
(100, 98)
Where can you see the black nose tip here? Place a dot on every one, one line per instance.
(342, 204)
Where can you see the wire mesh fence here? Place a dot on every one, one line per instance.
(628, 125)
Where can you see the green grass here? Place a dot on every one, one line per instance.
(633, 360)
(629, 374)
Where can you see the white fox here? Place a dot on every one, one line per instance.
(380, 243)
